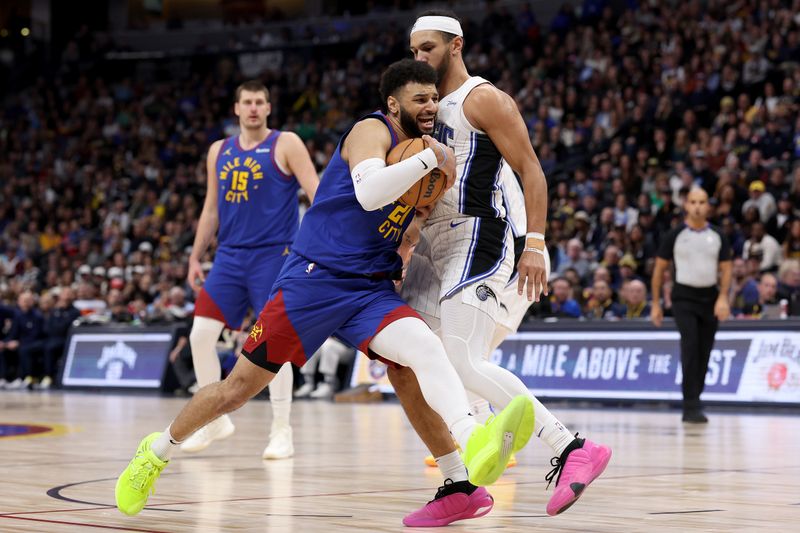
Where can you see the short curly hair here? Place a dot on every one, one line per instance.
(402, 72)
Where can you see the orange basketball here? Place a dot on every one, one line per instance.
(430, 187)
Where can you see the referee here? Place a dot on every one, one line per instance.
(702, 258)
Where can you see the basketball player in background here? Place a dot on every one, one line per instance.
(464, 260)
(338, 279)
(251, 197)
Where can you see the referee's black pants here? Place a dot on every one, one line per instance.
(693, 310)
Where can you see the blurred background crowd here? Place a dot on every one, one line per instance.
(628, 105)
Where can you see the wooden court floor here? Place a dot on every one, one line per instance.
(359, 467)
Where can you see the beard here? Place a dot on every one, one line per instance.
(441, 70)
(409, 124)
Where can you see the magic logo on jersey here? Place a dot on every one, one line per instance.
(240, 174)
(444, 134)
(392, 227)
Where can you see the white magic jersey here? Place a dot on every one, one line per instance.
(476, 191)
(514, 201)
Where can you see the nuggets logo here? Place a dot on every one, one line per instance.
(240, 173)
(256, 332)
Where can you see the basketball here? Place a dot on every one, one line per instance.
(430, 187)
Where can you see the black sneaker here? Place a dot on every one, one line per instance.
(695, 416)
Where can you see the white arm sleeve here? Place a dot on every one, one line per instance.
(377, 185)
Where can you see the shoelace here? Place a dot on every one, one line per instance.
(440, 490)
(142, 475)
(556, 463)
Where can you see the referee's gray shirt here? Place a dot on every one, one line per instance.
(696, 254)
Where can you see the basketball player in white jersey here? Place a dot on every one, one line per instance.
(464, 257)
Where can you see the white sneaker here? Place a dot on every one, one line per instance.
(3, 383)
(324, 391)
(305, 390)
(193, 389)
(280, 443)
(219, 429)
(45, 384)
(15, 385)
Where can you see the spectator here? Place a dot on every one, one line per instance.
(761, 200)
(791, 245)
(601, 304)
(627, 268)
(634, 294)
(560, 303)
(89, 306)
(744, 288)
(789, 285)
(767, 296)
(574, 259)
(780, 224)
(26, 330)
(181, 357)
(763, 244)
(56, 326)
(610, 262)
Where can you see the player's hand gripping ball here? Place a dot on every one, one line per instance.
(430, 187)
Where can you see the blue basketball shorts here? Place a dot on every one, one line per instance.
(310, 303)
(240, 278)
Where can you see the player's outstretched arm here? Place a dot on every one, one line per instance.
(209, 220)
(494, 112)
(293, 151)
(375, 184)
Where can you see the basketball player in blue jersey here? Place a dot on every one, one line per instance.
(465, 258)
(251, 198)
(338, 280)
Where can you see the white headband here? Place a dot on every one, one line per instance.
(438, 23)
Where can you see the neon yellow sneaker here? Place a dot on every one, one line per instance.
(135, 484)
(490, 446)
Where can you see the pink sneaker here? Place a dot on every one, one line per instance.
(579, 465)
(452, 503)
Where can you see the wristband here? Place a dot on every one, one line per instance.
(534, 235)
(534, 250)
(444, 153)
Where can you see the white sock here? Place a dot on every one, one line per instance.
(164, 445)
(203, 340)
(280, 395)
(549, 429)
(462, 429)
(452, 467)
(479, 408)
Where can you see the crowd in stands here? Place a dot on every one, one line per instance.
(102, 177)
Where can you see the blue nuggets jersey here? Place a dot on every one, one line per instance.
(340, 235)
(257, 202)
